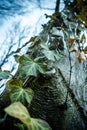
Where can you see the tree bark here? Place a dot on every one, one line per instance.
(60, 98)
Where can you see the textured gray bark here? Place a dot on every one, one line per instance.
(61, 98)
(50, 103)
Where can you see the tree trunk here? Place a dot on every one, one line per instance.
(50, 103)
(60, 98)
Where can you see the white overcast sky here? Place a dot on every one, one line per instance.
(22, 19)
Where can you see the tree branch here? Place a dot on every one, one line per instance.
(57, 5)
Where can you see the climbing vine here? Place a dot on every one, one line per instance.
(64, 34)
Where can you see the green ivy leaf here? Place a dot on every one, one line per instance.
(29, 93)
(55, 31)
(16, 57)
(4, 74)
(20, 126)
(14, 83)
(19, 111)
(38, 124)
(49, 54)
(30, 66)
(22, 95)
(44, 45)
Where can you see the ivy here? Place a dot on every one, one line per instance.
(52, 55)
(4, 74)
(31, 67)
(19, 111)
(14, 83)
(18, 93)
(22, 95)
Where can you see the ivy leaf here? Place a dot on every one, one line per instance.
(55, 31)
(16, 56)
(38, 124)
(72, 40)
(83, 38)
(14, 83)
(85, 50)
(44, 46)
(22, 95)
(19, 111)
(24, 58)
(81, 57)
(4, 74)
(20, 126)
(49, 54)
(29, 66)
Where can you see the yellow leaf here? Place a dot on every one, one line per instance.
(19, 111)
(72, 40)
(81, 57)
(74, 49)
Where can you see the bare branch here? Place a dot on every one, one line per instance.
(57, 5)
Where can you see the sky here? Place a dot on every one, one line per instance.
(20, 20)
